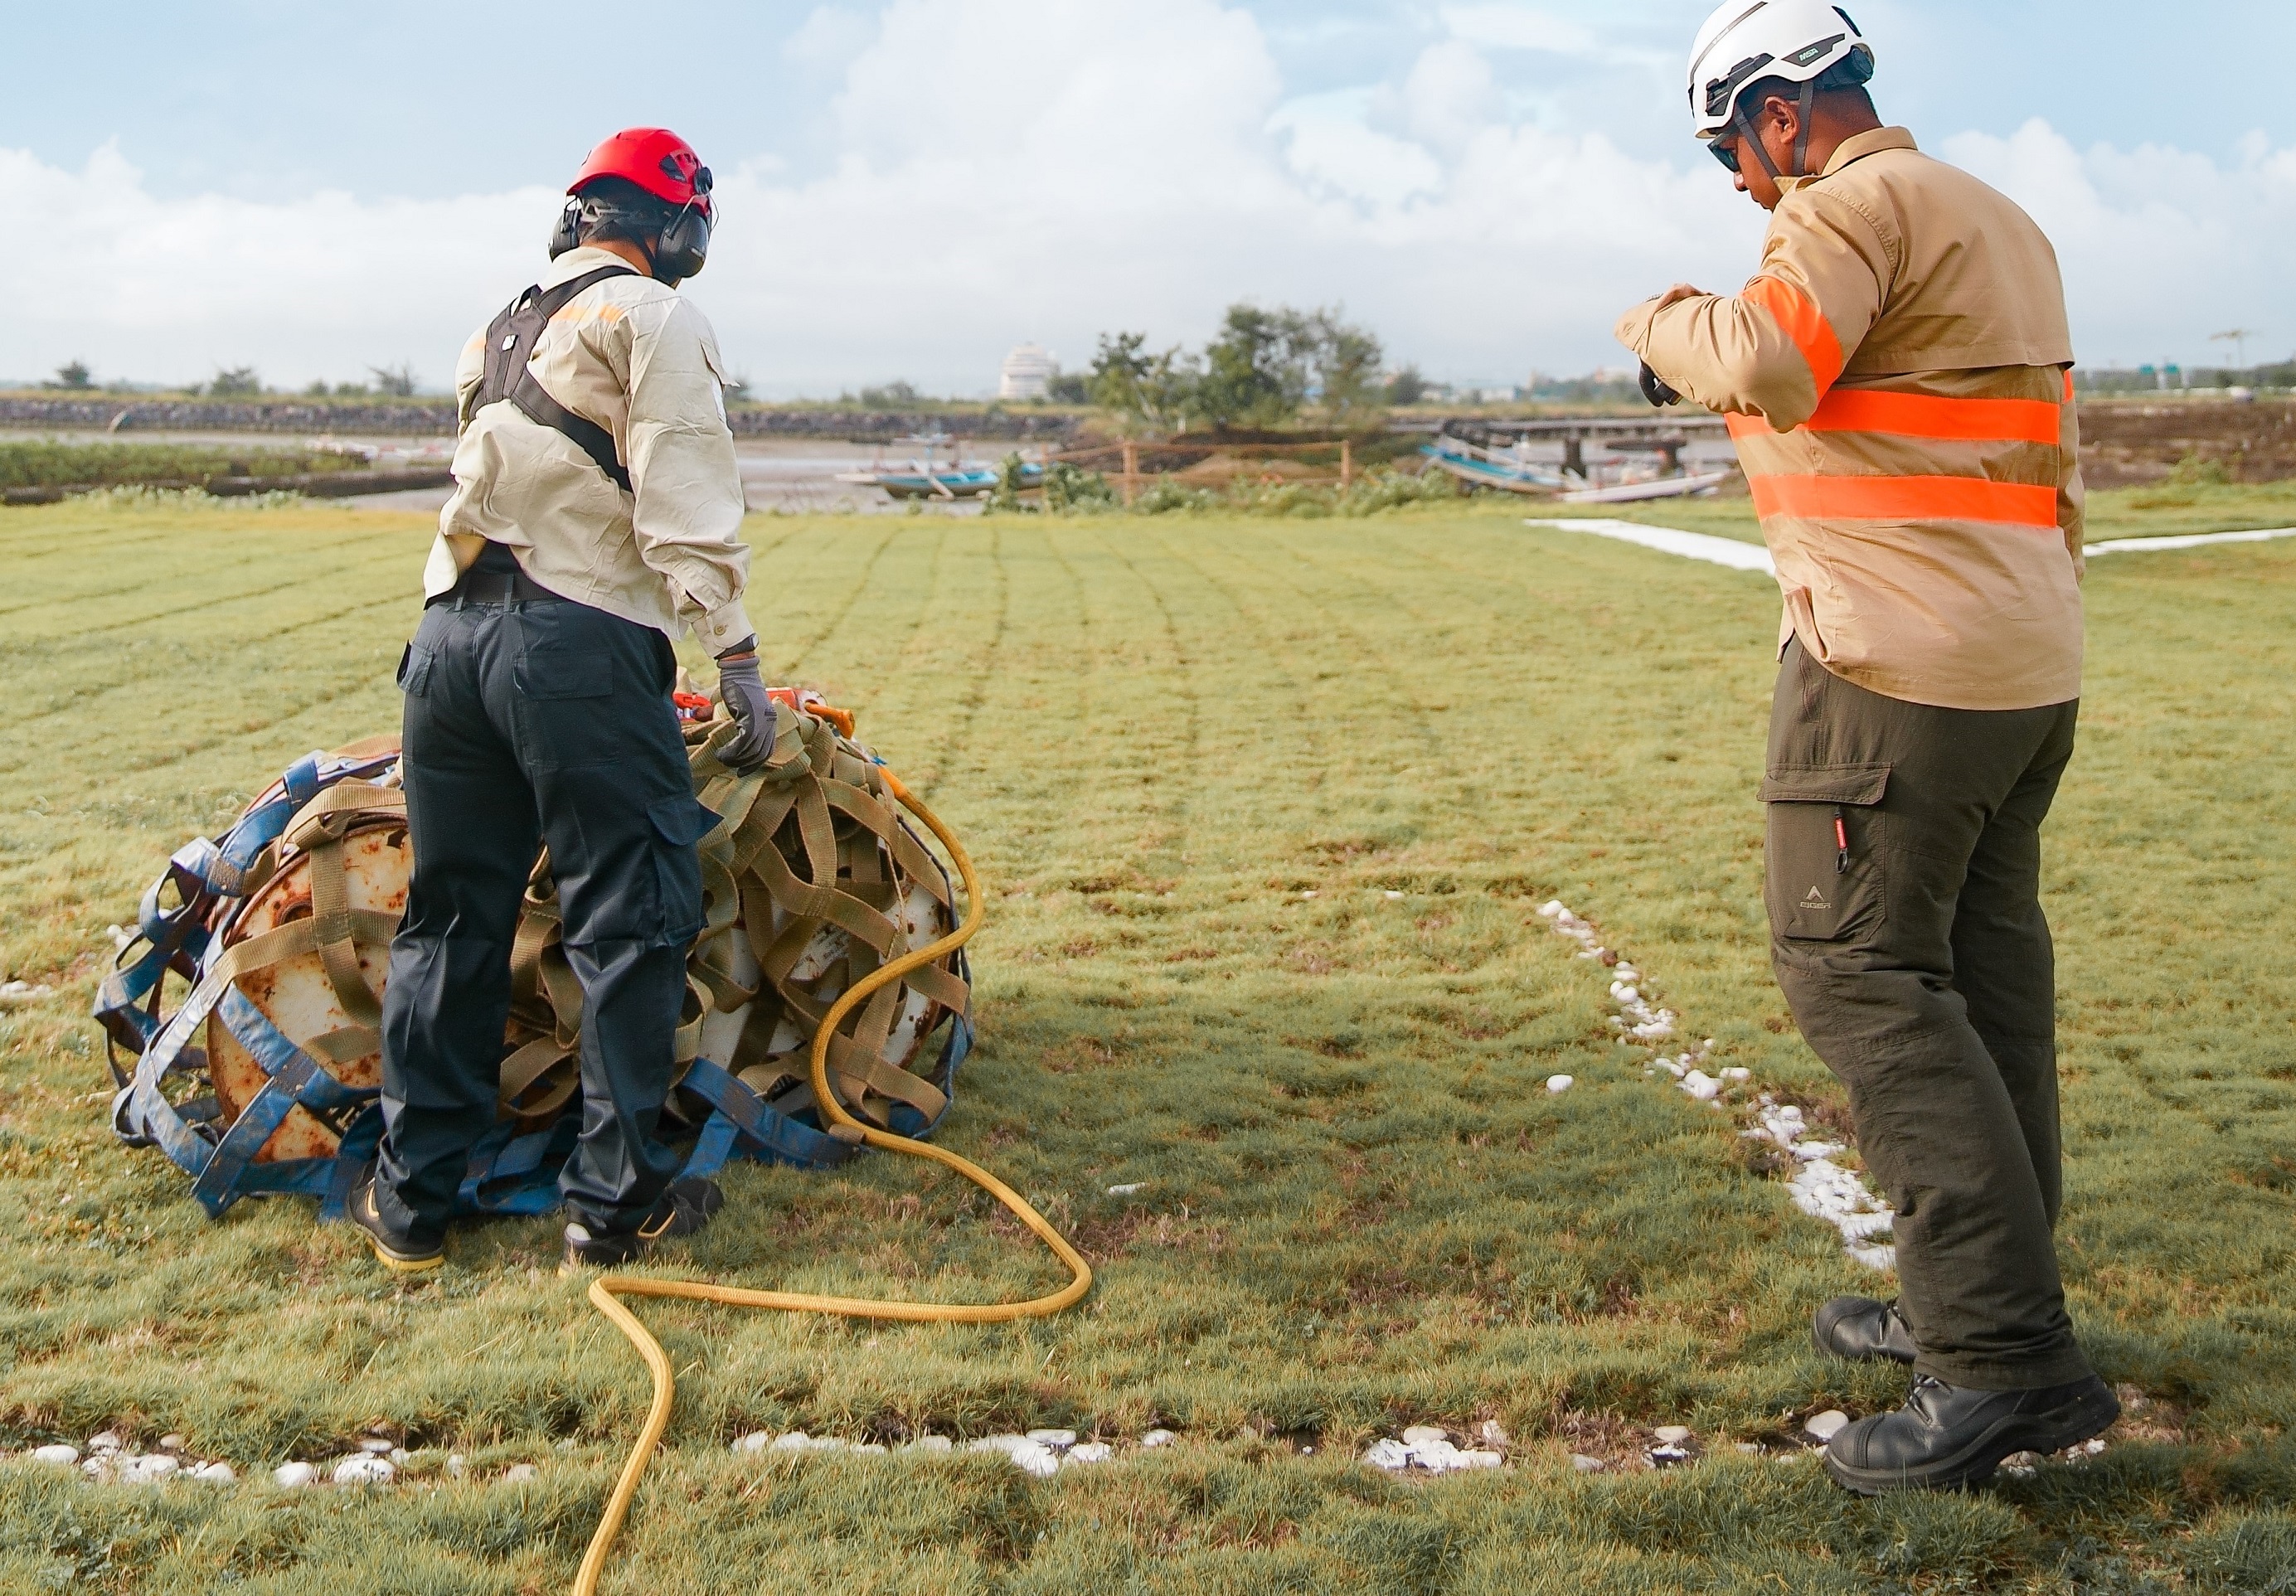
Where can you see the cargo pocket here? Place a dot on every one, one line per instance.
(564, 710)
(1822, 872)
(679, 822)
(415, 671)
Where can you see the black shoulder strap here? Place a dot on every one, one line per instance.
(509, 345)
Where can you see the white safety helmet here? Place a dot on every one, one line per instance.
(1745, 41)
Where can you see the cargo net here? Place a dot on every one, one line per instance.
(265, 1079)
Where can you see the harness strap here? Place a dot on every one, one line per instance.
(510, 339)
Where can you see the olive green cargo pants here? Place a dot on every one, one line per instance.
(1904, 872)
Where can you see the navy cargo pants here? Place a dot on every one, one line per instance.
(528, 723)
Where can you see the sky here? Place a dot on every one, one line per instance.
(910, 187)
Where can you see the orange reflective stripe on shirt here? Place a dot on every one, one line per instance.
(1905, 499)
(1925, 415)
(1803, 322)
(2069, 386)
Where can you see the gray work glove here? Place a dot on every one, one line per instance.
(742, 691)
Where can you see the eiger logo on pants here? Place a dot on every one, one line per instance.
(1815, 899)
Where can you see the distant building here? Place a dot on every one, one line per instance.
(1027, 375)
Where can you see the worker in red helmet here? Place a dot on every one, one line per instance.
(596, 516)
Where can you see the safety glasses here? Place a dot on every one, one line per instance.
(1725, 150)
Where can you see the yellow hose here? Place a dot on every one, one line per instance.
(606, 1292)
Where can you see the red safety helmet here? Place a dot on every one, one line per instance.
(657, 160)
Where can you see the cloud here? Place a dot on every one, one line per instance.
(1520, 28)
(1051, 169)
(1333, 144)
(2160, 247)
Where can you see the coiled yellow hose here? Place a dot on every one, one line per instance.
(607, 1290)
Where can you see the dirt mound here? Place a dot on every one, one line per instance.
(2126, 443)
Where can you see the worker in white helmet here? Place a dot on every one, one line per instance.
(1897, 379)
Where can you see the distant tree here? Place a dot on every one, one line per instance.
(235, 383)
(1155, 393)
(898, 395)
(75, 375)
(396, 382)
(1266, 365)
(1346, 361)
(1407, 387)
(1070, 387)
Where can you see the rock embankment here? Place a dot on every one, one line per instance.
(307, 417)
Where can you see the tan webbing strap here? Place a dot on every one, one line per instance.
(331, 925)
(565, 992)
(296, 937)
(820, 835)
(841, 910)
(941, 987)
(345, 1045)
(858, 1067)
(331, 812)
(529, 1064)
(687, 1043)
(756, 832)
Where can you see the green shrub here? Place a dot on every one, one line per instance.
(43, 463)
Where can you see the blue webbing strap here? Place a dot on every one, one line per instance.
(202, 865)
(764, 1132)
(296, 1078)
(518, 1176)
(711, 1148)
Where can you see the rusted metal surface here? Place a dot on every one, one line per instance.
(296, 996)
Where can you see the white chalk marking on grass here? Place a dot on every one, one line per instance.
(2187, 540)
(1690, 545)
(1820, 1188)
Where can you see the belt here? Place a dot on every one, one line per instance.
(496, 587)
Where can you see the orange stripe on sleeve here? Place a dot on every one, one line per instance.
(1925, 415)
(2069, 385)
(1905, 499)
(1803, 322)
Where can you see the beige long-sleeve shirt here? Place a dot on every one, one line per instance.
(632, 356)
(1895, 378)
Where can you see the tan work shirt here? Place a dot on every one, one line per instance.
(632, 356)
(1895, 378)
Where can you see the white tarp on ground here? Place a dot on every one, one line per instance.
(2193, 540)
(1691, 546)
(1754, 557)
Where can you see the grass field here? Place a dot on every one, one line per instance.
(1359, 1210)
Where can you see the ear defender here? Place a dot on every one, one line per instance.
(566, 233)
(683, 246)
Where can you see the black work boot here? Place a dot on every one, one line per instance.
(1953, 1435)
(408, 1251)
(684, 1208)
(1860, 1327)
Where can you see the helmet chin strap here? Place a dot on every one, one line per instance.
(1746, 136)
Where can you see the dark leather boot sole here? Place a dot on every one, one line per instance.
(2090, 1411)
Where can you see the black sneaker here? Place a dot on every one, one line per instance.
(1860, 1327)
(684, 1208)
(402, 1252)
(1948, 1436)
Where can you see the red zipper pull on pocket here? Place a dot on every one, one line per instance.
(1841, 843)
